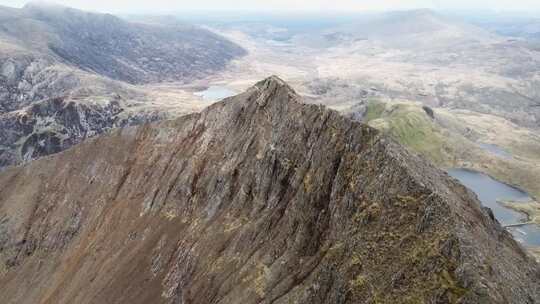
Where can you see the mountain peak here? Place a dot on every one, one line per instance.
(270, 201)
(275, 89)
(272, 80)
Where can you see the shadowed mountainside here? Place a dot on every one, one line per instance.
(121, 50)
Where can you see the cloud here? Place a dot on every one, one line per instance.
(163, 6)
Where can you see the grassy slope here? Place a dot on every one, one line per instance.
(409, 124)
(447, 140)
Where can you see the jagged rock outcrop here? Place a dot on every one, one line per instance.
(53, 125)
(258, 199)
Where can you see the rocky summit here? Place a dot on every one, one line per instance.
(257, 199)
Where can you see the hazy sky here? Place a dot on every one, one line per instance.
(127, 6)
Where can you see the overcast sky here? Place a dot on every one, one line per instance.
(138, 6)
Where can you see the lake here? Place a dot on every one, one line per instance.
(489, 191)
(215, 93)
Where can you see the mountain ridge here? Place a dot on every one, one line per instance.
(257, 199)
(110, 46)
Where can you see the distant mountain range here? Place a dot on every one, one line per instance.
(419, 29)
(67, 74)
(439, 59)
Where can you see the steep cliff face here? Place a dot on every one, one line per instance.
(258, 199)
(53, 125)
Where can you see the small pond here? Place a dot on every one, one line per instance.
(215, 93)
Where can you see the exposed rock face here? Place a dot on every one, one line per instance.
(28, 78)
(258, 199)
(54, 125)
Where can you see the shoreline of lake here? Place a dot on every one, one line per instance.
(531, 209)
(491, 193)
